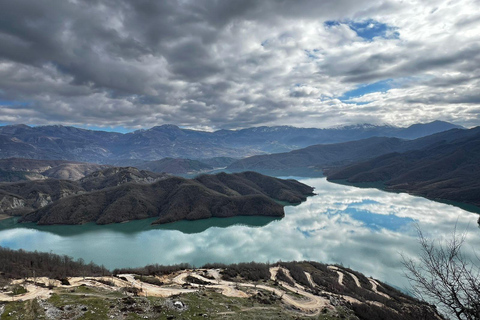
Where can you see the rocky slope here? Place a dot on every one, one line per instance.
(23, 197)
(69, 143)
(449, 170)
(16, 169)
(115, 176)
(175, 198)
(285, 290)
(26, 196)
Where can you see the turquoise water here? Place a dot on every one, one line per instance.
(362, 228)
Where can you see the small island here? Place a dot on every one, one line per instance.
(171, 199)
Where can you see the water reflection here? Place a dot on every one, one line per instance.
(137, 226)
(361, 228)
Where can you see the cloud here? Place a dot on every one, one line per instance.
(214, 64)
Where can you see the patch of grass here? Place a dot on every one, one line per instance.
(96, 307)
(17, 290)
(27, 310)
(149, 279)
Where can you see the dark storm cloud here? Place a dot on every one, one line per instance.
(230, 64)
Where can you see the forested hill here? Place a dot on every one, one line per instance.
(449, 170)
(174, 198)
(340, 154)
(58, 287)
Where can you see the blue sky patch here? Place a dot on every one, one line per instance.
(376, 221)
(380, 86)
(12, 103)
(368, 29)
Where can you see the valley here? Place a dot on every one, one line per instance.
(100, 212)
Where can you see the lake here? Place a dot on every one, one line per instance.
(365, 229)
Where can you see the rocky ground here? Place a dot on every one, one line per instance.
(188, 294)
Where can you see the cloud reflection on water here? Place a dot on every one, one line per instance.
(365, 229)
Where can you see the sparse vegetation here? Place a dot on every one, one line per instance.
(149, 279)
(252, 279)
(250, 271)
(17, 290)
(22, 264)
(154, 269)
(445, 276)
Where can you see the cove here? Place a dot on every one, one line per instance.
(365, 229)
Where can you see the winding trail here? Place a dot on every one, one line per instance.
(375, 285)
(154, 290)
(313, 303)
(33, 292)
(310, 279)
(298, 296)
(340, 274)
(355, 278)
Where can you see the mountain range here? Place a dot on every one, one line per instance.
(443, 165)
(75, 144)
(323, 156)
(17, 169)
(448, 169)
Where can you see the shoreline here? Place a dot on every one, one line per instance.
(4, 216)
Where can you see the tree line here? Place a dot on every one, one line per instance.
(23, 264)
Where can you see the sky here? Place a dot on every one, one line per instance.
(213, 64)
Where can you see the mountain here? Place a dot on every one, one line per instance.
(449, 170)
(218, 162)
(113, 177)
(425, 129)
(26, 196)
(340, 154)
(75, 144)
(175, 198)
(176, 166)
(16, 169)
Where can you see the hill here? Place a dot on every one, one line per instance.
(175, 198)
(175, 166)
(325, 156)
(115, 176)
(17, 198)
(74, 144)
(16, 169)
(448, 170)
(66, 289)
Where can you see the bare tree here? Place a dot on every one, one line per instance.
(445, 276)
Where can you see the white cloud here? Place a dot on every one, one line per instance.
(238, 64)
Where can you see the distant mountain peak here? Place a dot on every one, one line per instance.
(166, 127)
(362, 126)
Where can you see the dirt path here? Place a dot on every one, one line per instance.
(306, 302)
(340, 274)
(227, 288)
(310, 280)
(33, 292)
(154, 290)
(311, 305)
(354, 277)
(375, 285)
